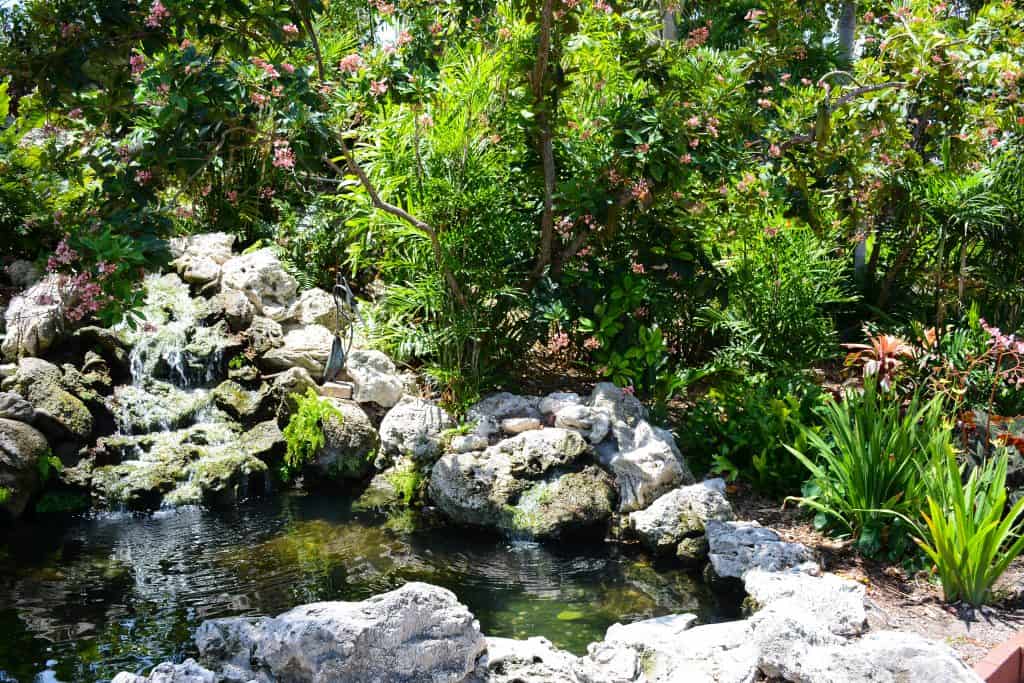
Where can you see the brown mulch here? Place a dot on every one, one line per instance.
(898, 600)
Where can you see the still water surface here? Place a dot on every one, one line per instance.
(85, 597)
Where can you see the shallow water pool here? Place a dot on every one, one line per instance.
(85, 597)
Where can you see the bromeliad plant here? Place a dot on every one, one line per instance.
(870, 453)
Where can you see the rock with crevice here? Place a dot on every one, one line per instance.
(414, 427)
(246, 406)
(594, 424)
(315, 307)
(838, 603)
(58, 413)
(646, 465)
(306, 347)
(234, 307)
(418, 632)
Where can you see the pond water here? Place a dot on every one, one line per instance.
(85, 597)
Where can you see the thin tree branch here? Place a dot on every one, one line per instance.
(401, 213)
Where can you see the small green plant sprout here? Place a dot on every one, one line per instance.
(49, 464)
(407, 482)
(304, 435)
(238, 362)
(5, 494)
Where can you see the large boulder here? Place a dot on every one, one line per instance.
(591, 422)
(21, 447)
(233, 307)
(262, 278)
(646, 465)
(836, 602)
(34, 320)
(61, 415)
(247, 406)
(413, 427)
(187, 672)
(535, 484)
(375, 377)
(416, 633)
(350, 442)
(674, 523)
(306, 347)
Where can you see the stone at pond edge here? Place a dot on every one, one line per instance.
(21, 447)
(681, 514)
(413, 427)
(264, 441)
(419, 632)
(188, 671)
(737, 547)
(349, 446)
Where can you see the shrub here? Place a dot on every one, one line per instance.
(870, 455)
(740, 430)
(966, 534)
(304, 435)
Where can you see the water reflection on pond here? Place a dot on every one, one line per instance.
(81, 599)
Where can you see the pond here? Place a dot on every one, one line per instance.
(82, 598)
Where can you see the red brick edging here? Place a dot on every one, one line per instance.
(1005, 663)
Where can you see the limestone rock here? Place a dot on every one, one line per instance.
(467, 442)
(244, 405)
(34, 320)
(186, 672)
(264, 441)
(375, 377)
(555, 401)
(315, 307)
(264, 335)
(647, 467)
(592, 423)
(234, 307)
(213, 245)
(523, 486)
(413, 427)
(534, 660)
(680, 514)
(262, 278)
(417, 633)
(349, 445)
(21, 447)
(838, 603)
(306, 347)
(518, 425)
(58, 413)
(289, 384)
(737, 547)
(14, 407)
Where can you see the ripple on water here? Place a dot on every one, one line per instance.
(115, 590)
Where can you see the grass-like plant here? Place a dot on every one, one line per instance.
(969, 534)
(866, 464)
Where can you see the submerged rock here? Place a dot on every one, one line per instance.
(416, 633)
(413, 427)
(21, 447)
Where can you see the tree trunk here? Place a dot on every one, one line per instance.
(847, 29)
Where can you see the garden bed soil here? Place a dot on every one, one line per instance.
(898, 599)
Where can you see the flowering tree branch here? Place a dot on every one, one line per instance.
(401, 213)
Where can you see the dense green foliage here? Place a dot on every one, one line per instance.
(304, 434)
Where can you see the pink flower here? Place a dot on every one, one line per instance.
(75, 113)
(425, 120)
(504, 33)
(404, 38)
(259, 99)
(63, 255)
(284, 157)
(436, 28)
(143, 177)
(232, 196)
(351, 64)
(764, 103)
(290, 29)
(206, 190)
(641, 190)
(686, 158)
(592, 343)
(643, 148)
(754, 14)
(266, 192)
(629, 390)
(693, 121)
(602, 6)
(563, 226)
(105, 268)
(385, 8)
(559, 341)
(288, 68)
(378, 88)
(185, 44)
(157, 14)
(138, 63)
(638, 268)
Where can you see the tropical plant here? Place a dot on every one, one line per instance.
(968, 531)
(867, 460)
